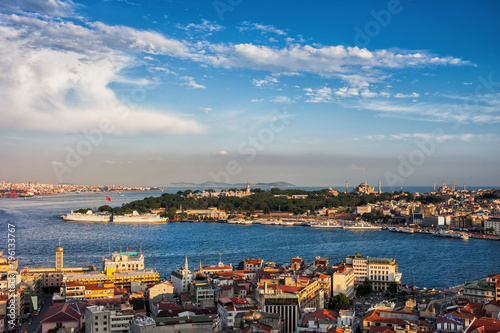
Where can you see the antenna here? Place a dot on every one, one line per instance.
(109, 244)
(59, 241)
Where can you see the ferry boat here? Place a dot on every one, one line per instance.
(89, 216)
(362, 226)
(327, 225)
(135, 217)
(451, 234)
(403, 230)
(287, 223)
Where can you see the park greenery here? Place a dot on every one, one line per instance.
(265, 201)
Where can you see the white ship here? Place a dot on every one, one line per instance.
(362, 226)
(451, 234)
(403, 230)
(327, 225)
(89, 216)
(135, 217)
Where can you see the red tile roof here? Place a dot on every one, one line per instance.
(254, 261)
(485, 325)
(61, 313)
(289, 289)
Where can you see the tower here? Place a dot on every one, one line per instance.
(186, 264)
(434, 186)
(346, 186)
(59, 257)
(464, 186)
(248, 187)
(379, 187)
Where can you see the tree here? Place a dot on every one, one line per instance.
(342, 301)
(393, 288)
(490, 230)
(171, 213)
(364, 288)
(105, 208)
(240, 266)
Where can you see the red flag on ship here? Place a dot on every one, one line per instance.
(108, 198)
(128, 248)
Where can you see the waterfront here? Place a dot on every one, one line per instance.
(435, 262)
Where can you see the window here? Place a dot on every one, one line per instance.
(96, 330)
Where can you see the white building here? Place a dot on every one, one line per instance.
(124, 261)
(492, 223)
(181, 279)
(343, 282)
(253, 264)
(112, 318)
(380, 271)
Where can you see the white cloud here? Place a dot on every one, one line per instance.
(60, 83)
(321, 95)
(347, 92)
(282, 99)
(190, 83)
(261, 27)
(47, 7)
(204, 26)
(222, 153)
(444, 137)
(206, 110)
(268, 81)
(412, 95)
(257, 100)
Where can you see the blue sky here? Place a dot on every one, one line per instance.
(147, 93)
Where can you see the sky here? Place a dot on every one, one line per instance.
(129, 92)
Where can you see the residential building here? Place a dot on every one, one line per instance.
(480, 292)
(123, 261)
(319, 321)
(181, 278)
(494, 223)
(320, 262)
(449, 324)
(228, 308)
(388, 319)
(380, 271)
(343, 282)
(114, 318)
(253, 264)
(121, 279)
(70, 315)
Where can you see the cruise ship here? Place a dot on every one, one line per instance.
(362, 226)
(89, 216)
(135, 217)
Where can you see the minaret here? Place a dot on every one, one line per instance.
(464, 186)
(346, 186)
(186, 263)
(379, 187)
(201, 268)
(248, 187)
(434, 186)
(453, 186)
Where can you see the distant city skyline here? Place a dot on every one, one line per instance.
(145, 93)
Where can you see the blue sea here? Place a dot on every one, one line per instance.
(427, 260)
